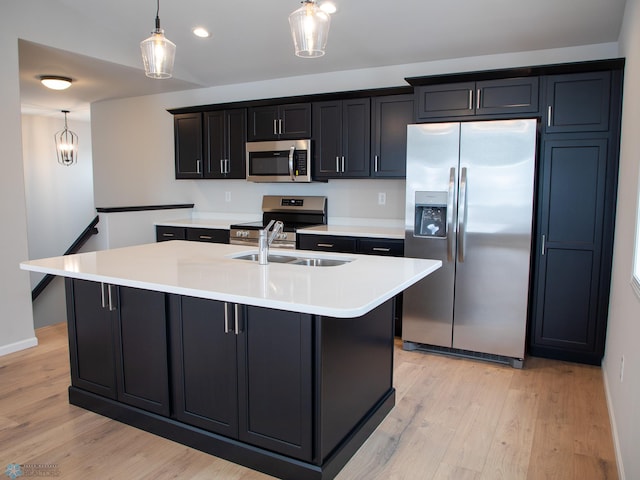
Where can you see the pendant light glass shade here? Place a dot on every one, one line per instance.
(66, 144)
(309, 29)
(158, 53)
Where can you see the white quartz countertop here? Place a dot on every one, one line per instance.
(207, 270)
(221, 223)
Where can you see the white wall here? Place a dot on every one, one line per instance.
(623, 330)
(59, 200)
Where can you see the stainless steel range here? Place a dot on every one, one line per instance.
(294, 211)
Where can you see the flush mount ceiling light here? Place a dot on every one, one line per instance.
(158, 52)
(201, 32)
(55, 82)
(309, 29)
(66, 144)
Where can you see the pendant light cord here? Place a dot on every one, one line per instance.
(158, 16)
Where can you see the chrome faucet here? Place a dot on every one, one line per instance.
(265, 240)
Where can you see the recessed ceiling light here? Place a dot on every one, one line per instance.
(201, 32)
(55, 82)
(328, 7)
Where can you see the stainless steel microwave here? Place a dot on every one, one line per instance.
(279, 161)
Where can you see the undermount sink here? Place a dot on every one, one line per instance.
(293, 260)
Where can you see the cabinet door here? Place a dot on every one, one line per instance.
(236, 138)
(165, 233)
(215, 144)
(295, 121)
(91, 344)
(569, 258)
(381, 246)
(448, 100)
(275, 381)
(356, 137)
(263, 123)
(327, 136)
(187, 129)
(578, 102)
(141, 341)
(212, 235)
(390, 117)
(512, 95)
(204, 365)
(327, 243)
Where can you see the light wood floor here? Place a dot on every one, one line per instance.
(454, 419)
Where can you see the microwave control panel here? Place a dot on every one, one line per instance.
(300, 162)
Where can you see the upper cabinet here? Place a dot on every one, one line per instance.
(390, 116)
(490, 97)
(225, 137)
(210, 144)
(342, 136)
(577, 102)
(187, 130)
(280, 122)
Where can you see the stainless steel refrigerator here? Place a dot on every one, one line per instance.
(469, 203)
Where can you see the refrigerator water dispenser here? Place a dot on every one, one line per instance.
(430, 214)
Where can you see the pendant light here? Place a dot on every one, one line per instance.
(309, 29)
(66, 144)
(158, 52)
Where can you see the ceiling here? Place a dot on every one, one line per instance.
(251, 41)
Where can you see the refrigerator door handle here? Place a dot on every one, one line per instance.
(462, 215)
(451, 198)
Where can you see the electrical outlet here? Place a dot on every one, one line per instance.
(621, 368)
(382, 198)
(227, 196)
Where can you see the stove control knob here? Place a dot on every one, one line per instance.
(282, 236)
(242, 233)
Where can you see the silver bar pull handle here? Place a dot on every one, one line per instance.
(112, 304)
(470, 99)
(338, 164)
(280, 126)
(343, 164)
(450, 208)
(198, 166)
(237, 319)
(168, 235)
(478, 99)
(205, 237)
(462, 218)
(325, 245)
(549, 112)
(226, 317)
(103, 298)
(381, 249)
(544, 241)
(275, 126)
(222, 165)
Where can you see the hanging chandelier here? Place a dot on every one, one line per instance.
(158, 52)
(309, 29)
(66, 144)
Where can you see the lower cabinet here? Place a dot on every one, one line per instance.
(221, 349)
(118, 343)
(212, 235)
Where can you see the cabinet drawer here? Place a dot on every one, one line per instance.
(164, 233)
(374, 246)
(328, 243)
(213, 235)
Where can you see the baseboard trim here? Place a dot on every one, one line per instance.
(17, 346)
(614, 428)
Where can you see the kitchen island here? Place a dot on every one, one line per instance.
(285, 368)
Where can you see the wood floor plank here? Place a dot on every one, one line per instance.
(454, 419)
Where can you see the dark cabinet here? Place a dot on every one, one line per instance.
(213, 235)
(280, 122)
(347, 244)
(568, 282)
(225, 138)
(244, 372)
(489, 97)
(167, 232)
(390, 117)
(342, 133)
(187, 130)
(578, 102)
(118, 343)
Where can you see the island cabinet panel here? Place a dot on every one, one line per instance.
(118, 344)
(204, 366)
(275, 382)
